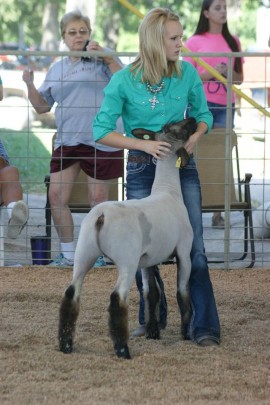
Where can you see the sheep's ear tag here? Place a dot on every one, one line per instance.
(178, 163)
(146, 137)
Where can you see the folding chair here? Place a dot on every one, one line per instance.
(211, 163)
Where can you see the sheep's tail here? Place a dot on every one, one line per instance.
(100, 222)
(99, 225)
(69, 311)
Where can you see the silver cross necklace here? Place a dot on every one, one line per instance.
(154, 99)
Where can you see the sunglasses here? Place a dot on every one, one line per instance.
(73, 33)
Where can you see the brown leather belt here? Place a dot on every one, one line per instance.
(139, 159)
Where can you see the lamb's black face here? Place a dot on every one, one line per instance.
(180, 130)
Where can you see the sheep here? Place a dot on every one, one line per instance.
(137, 234)
(261, 221)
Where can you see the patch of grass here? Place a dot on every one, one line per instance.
(28, 153)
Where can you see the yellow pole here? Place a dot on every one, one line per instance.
(209, 68)
(133, 9)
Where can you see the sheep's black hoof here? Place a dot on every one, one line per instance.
(65, 345)
(152, 331)
(122, 351)
(184, 332)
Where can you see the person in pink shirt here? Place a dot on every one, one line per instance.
(212, 35)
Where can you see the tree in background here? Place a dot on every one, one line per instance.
(117, 27)
(87, 7)
(26, 22)
(36, 22)
(50, 27)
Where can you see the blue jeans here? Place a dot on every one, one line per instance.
(205, 320)
(163, 302)
(219, 113)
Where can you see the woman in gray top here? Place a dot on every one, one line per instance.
(76, 86)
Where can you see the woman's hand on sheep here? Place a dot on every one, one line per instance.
(190, 145)
(157, 149)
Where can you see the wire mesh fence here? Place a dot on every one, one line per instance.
(28, 136)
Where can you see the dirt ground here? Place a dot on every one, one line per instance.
(168, 371)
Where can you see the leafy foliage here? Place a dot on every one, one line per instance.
(242, 19)
(129, 22)
(26, 15)
(116, 26)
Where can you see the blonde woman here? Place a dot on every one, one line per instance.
(154, 90)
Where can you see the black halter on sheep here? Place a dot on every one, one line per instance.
(160, 229)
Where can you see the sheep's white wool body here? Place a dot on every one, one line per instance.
(261, 221)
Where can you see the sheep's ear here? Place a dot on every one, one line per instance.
(184, 156)
(142, 133)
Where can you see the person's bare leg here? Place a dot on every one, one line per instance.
(11, 189)
(217, 214)
(98, 191)
(61, 185)
(12, 197)
(217, 220)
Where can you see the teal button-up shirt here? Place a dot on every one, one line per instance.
(127, 96)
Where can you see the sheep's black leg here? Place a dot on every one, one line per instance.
(184, 307)
(69, 311)
(184, 303)
(152, 299)
(118, 325)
